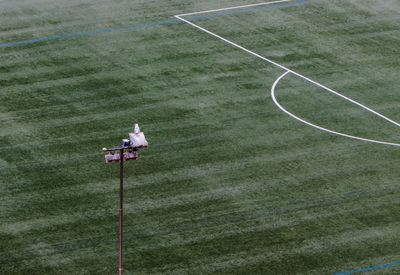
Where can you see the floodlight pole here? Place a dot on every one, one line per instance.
(121, 212)
(128, 150)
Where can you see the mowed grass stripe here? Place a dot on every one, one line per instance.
(82, 175)
(86, 194)
(272, 151)
(111, 72)
(267, 154)
(114, 92)
(46, 97)
(49, 21)
(275, 226)
(166, 196)
(323, 245)
(302, 256)
(152, 208)
(121, 102)
(246, 218)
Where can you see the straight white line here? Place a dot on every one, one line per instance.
(316, 126)
(347, 98)
(287, 69)
(232, 43)
(233, 8)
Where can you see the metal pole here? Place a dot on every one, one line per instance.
(135, 142)
(121, 207)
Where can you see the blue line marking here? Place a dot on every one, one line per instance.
(76, 35)
(148, 25)
(371, 268)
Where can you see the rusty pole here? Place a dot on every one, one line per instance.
(121, 209)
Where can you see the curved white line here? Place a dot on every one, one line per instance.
(294, 73)
(316, 126)
(289, 70)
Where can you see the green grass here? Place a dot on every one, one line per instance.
(230, 184)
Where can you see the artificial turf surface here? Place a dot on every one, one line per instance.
(230, 184)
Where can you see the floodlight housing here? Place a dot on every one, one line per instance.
(129, 155)
(137, 138)
(125, 142)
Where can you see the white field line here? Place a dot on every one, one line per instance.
(234, 8)
(316, 126)
(287, 69)
(279, 65)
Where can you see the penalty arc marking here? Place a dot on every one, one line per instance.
(316, 126)
(292, 72)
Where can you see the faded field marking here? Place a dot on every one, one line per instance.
(371, 268)
(294, 73)
(117, 29)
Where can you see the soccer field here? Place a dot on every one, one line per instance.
(273, 130)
